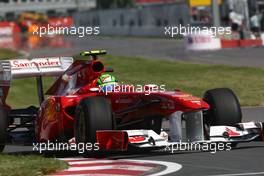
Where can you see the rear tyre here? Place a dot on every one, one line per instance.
(3, 128)
(224, 107)
(92, 114)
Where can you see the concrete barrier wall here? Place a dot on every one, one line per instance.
(139, 21)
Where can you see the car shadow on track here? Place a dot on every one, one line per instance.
(248, 147)
(135, 153)
(102, 154)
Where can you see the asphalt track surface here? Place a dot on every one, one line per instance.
(246, 159)
(169, 49)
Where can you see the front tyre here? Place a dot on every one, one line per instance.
(92, 114)
(224, 107)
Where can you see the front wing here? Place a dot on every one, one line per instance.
(122, 140)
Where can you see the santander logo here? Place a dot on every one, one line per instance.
(35, 63)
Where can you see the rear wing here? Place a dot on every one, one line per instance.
(24, 68)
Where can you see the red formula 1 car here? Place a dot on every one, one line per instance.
(76, 108)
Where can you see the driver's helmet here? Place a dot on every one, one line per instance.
(107, 82)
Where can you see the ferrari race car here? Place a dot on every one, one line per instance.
(77, 110)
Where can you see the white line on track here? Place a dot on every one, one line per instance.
(90, 162)
(170, 166)
(133, 168)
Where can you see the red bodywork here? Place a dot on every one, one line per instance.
(56, 115)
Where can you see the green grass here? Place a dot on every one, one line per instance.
(12, 165)
(7, 54)
(248, 83)
(23, 92)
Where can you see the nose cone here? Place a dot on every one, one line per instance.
(187, 102)
(205, 105)
(195, 104)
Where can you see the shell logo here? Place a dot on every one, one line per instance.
(50, 110)
(136, 139)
